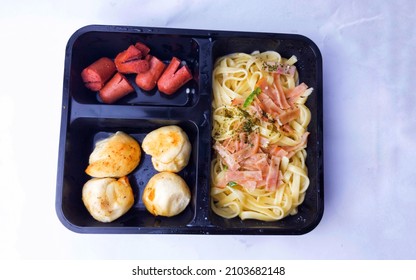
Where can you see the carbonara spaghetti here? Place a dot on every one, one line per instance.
(259, 136)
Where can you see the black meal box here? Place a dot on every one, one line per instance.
(85, 120)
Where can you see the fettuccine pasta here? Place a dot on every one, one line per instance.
(260, 134)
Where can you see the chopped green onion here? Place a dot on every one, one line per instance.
(251, 97)
(232, 184)
(245, 114)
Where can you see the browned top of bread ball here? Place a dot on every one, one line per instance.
(169, 147)
(115, 156)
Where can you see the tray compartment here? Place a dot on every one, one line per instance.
(91, 45)
(82, 135)
(309, 69)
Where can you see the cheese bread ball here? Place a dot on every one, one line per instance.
(169, 147)
(107, 199)
(115, 156)
(166, 194)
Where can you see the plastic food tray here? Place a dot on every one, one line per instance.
(85, 120)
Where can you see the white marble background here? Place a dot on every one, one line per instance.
(368, 48)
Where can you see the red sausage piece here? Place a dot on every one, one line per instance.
(115, 89)
(143, 48)
(148, 79)
(171, 80)
(98, 73)
(130, 61)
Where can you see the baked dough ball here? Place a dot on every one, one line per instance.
(115, 156)
(107, 199)
(169, 147)
(166, 194)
